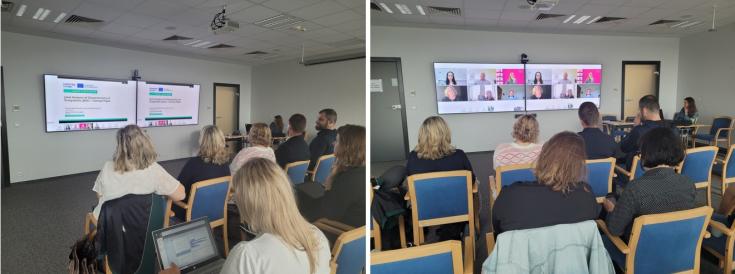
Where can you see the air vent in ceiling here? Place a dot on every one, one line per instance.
(447, 11)
(221, 46)
(542, 16)
(7, 6)
(257, 52)
(660, 22)
(609, 19)
(176, 38)
(278, 22)
(374, 6)
(74, 19)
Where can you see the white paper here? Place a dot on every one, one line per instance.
(376, 85)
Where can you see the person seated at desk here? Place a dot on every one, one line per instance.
(598, 145)
(285, 241)
(560, 196)
(659, 190)
(211, 162)
(688, 114)
(344, 197)
(133, 170)
(323, 143)
(295, 148)
(647, 119)
(277, 126)
(260, 147)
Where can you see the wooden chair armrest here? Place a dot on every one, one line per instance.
(181, 204)
(333, 267)
(721, 227)
(489, 242)
(327, 228)
(622, 170)
(469, 257)
(717, 133)
(614, 239)
(335, 224)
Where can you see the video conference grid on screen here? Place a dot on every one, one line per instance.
(471, 88)
(74, 104)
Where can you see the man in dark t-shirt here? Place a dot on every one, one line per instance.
(323, 143)
(598, 145)
(295, 148)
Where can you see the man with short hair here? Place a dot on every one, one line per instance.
(323, 143)
(597, 144)
(647, 119)
(295, 148)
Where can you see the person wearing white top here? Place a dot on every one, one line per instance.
(134, 170)
(285, 241)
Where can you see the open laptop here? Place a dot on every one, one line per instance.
(190, 246)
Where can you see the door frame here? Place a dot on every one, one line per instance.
(214, 103)
(5, 176)
(401, 96)
(622, 83)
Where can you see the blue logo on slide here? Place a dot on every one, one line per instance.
(160, 89)
(80, 85)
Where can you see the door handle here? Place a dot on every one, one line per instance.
(219, 117)
(395, 107)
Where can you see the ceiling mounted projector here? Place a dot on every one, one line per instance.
(542, 5)
(222, 24)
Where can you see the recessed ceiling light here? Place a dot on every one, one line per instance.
(581, 19)
(403, 9)
(61, 16)
(385, 8)
(421, 9)
(691, 24)
(594, 20)
(569, 18)
(44, 15)
(21, 10)
(679, 24)
(38, 13)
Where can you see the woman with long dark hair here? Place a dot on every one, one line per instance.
(688, 114)
(538, 79)
(450, 81)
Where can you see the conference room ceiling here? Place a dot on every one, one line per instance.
(331, 26)
(688, 16)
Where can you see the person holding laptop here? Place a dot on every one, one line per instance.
(285, 242)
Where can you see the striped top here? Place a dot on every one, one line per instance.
(514, 154)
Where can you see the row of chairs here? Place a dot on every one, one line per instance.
(297, 171)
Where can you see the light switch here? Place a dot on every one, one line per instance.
(16, 108)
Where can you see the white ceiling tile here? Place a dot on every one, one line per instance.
(191, 3)
(97, 11)
(682, 4)
(406, 18)
(360, 9)
(645, 3)
(658, 13)
(567, 7)
(359, 24)
(151, 35)
(250, 43)
(160, 9)
(482, 14)
(135, 20)
(627, 12)
(117, 4)
(247, 30)
(480, 22)
(120, 29)
(448, 20)
(253, 14)
(105, 36)
(232, 5)
(513, 23)
(352, 3)
(595, 9)
(196, 16)
(164, 27)
(338, 18)
(318, 10)
(195, 32)
(484, 4)
(71, 30)
(288, 5)
(518, 15)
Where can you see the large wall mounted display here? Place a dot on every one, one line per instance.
(471, 88)
(562, 86)
(166, 104)
(85, 104)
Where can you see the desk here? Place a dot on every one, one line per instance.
(686, 133)
(240, 139)
(621, 125)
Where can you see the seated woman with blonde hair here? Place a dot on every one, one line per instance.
(524, 149)
(260, 141)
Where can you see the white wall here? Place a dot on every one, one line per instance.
(706, 72)
(418, 48)
(286, 88)
(35, 154)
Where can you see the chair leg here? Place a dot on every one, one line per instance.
(709, 195)
(416, 235)
(226, 240)
(402, 230)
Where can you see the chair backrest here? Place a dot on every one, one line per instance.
(155, 222)
(438, 258)
(599, 176)
(323, 168)
(718, 123)
(296, 171)
(637, 168)
(209, 198)
(728, 170)
(697, 164)
(349, 251)
(438, 195)
(667, 242)
(507, 175)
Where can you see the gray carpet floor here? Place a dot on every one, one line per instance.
(482, 167)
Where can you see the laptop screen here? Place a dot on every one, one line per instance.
(186, 244)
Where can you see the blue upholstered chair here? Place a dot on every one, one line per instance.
(635, 172)
(661, 243)
(507, 175)
(322, 168)
(722, 247)
(296, 171)
(600, 176)
(720, 131)
(438, 258)
(348, 254)
(209, 198)
(439, 198)
(697, 165)
(726, 169)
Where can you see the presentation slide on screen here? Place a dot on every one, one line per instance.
(468, 88)
(162, 105)
(562, 86)
(80, 104)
